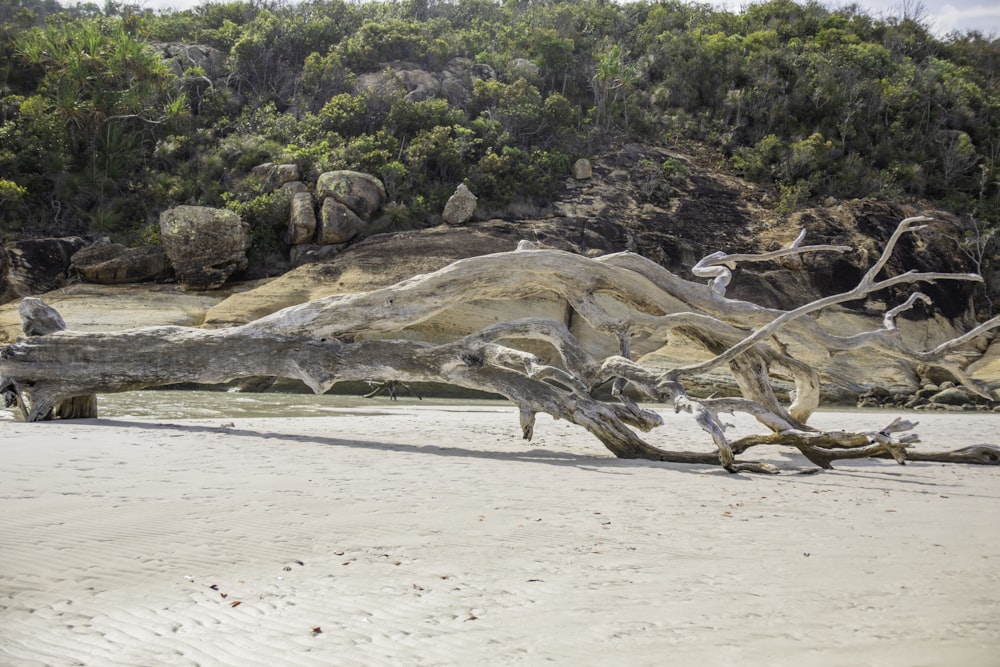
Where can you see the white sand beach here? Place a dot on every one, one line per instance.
(415, 535)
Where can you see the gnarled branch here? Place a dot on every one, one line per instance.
(624, 296)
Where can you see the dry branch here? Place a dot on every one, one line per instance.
(55, 373)
(719, 265)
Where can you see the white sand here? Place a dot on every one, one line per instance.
(428, 536)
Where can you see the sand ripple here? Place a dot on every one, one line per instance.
(427, 536)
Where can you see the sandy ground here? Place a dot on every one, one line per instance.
(433, 536)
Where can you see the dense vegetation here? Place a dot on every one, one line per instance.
(98, 134)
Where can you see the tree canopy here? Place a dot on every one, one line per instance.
(99, 132)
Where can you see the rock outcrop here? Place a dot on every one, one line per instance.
(454, 82)
(205, 245)
(388, 258)
(87, 307)
(36, 266)
(115, 264)
(671, 207)
(677, 208)
(929, 397)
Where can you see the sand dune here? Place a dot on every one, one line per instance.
(434, 536)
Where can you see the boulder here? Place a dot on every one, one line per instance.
(115, 264)
(205, 245)
(927, 391)
(273, 176)
(478, 70)
(460, 206)
(362, 193)
(403, 77)
(422, 85)
(293, 187)
(301, 219)
(951, 396)
(522, 67)
(384, 84)
(458, 79)
(934, 375)
(456, 89)
(180, 58)
(37, 266)
(582, 169)
(337, 223)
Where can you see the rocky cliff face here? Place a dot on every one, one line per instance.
(675, 209)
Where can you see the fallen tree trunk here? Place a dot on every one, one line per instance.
(54, 373)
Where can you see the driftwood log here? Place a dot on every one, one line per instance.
(55, 373)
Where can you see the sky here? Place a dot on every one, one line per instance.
(941, 16)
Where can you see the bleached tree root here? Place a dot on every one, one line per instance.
(55, 373)
(974, 454)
